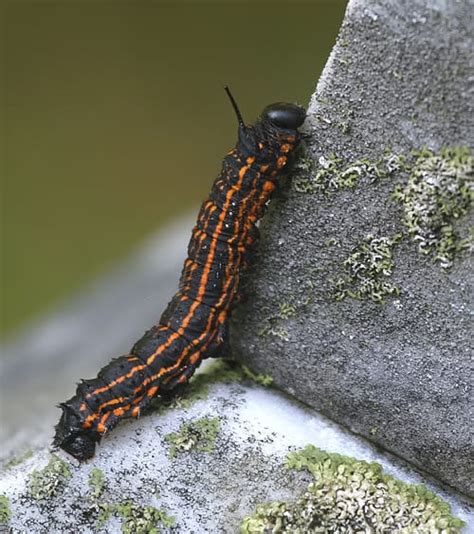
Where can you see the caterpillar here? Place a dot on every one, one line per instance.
(194, 326)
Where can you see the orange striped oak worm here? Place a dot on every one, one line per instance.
(194, 324)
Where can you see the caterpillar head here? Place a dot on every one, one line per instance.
(72, 438)
(280, 115)
(284, 115)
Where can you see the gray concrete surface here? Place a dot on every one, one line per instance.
(399, 373)
(205, 492)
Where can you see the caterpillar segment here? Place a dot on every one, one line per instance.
(194, 325)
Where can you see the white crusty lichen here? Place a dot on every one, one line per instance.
(439, 190)
(367, 271)
(333, 174)
(348, 495)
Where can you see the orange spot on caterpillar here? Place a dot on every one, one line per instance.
(281, 162)
(152, 391)
(268, 186)
(101, 428)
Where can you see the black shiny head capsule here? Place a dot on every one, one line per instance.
(81, 446)
(284, 115)
(79, 443)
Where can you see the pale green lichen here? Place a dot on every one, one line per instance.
(46, 483)
(19, 459)
(259, 378)
(136, 519)
(367, 271)
(274, 330)
(96, 483)
(349, 495)
(439, 190)
(334, 175)
(302, 171)
(5, 512)
(97, 508)
(142, 519)
(286, 310)
(331, 242)
(199, 435)
(271, 326)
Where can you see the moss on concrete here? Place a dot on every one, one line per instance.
(349, 495)
(367, 271)
(199, 435)
(5, 512)
(438, 192)
(46, 483)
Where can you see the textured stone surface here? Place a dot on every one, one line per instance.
(399, 373)
(204, 491)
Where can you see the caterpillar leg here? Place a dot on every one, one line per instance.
(249, 259)
(220, 347)
(176, 385)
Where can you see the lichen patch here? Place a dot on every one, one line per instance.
(47, 482)
(96, 483)
(438, 192)
(5, 512)
(19, 459)
(136, 519)
(199, 435)
(349, 495)
(367, 271)
(332, 174)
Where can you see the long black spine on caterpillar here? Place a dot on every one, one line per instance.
(194, 324)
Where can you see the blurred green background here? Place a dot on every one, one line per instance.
(116, 121)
